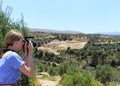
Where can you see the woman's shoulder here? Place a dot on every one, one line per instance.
(14, 57)
(6, 54)
(10, 54)
(14, 53)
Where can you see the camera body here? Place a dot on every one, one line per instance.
(28, 37)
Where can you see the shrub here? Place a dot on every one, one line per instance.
(79, 79)
(104, 73)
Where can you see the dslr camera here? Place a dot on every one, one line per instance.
(28, 37)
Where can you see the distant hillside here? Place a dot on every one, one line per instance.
(53, 31)
(114, 33)
(111, 33)
(70, 32)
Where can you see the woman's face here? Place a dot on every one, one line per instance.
(20, 43)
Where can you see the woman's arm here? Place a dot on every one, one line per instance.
(28, 68)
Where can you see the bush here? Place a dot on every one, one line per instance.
(79, 79)
(68, 68)
(104, 73)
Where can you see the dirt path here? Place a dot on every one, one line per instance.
(46, 82)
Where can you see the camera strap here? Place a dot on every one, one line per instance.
(5, 50)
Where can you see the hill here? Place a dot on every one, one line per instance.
(116, 33)
(53, 31)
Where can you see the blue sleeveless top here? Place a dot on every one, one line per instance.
(9, 72)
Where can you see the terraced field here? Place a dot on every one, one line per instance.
(55, 46)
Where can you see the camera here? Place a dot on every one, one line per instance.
(28, 37)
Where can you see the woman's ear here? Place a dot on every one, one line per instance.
(15, 43)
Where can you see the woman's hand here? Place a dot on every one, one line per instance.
(25, 50)
(30, 47)
(28, 68)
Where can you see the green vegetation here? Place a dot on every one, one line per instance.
(104, 73)
(79, 79)
(99, 58)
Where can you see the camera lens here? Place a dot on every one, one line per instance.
(34, 44)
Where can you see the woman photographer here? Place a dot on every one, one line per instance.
(11, 64)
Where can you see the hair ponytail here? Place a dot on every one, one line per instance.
(3, 50)
(5, 46)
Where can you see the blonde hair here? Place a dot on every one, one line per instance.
(12, 36)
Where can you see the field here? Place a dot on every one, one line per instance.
(55, 46)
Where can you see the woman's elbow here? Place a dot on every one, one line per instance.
(31, 74)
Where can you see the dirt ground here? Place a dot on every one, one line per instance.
(55, 46)
(46, 82)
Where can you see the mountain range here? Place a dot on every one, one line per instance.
(70, 32)
(111, 33)
(53, 31)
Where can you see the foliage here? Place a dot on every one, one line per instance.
(79, 79)
(104, 73)
(33, 81)
(116, 75)
(68, 68)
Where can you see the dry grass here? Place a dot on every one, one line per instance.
(55, 46)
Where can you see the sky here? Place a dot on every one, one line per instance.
(86, 16)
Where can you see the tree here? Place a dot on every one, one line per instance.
(104, 73)
(79, 79)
